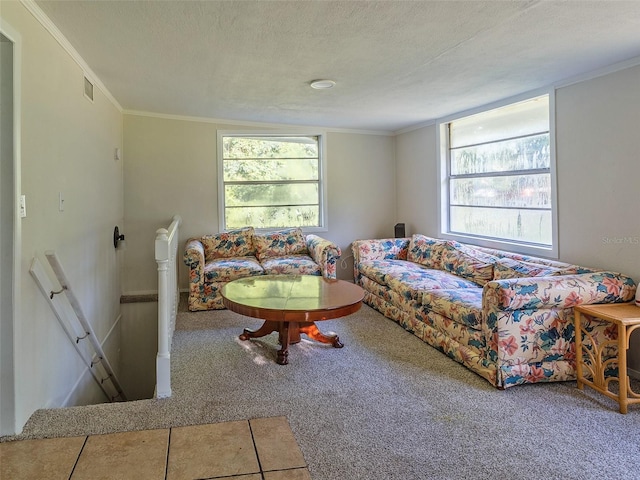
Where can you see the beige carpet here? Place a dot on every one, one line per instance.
(386, 406)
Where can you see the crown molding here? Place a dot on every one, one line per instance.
(567, 82)
(46, 22)
(599, 72)
(242, 123)
(417, 126)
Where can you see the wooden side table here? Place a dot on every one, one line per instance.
(626, 316)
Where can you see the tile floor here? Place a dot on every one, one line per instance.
(257, 449)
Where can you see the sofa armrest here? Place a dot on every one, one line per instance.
(563, 291)
(194, 252)
(380, 249)
(325, 253)
(528, 322)
(377, 249)
(194, 259)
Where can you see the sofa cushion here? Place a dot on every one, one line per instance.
(377, 270)
(414, 280)
(506, 268)
(228, 269)
(566, 268)
(425, 250)
(291, 265)
(461, 262)
(234, 243)
(290, 241)
(461, 305)
(476, 252)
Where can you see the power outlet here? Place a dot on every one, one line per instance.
(60, 202)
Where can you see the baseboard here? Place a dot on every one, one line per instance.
(81, 380)
(135, 293)
(142, 296)
(139, 298)
(633, 373)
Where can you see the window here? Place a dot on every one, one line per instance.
(499, 182)
(271, 181)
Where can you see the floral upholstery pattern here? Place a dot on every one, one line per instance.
(229, 269)
(291, 265)
(411, 282)
(461, 306)
(283, 242)
(454, 259)
(234, 243)
(563, 268)
(564, 291)
(510, 268)
(214, 260)
(425, 250)
(388, 248)
(511, 330)
(324, 253)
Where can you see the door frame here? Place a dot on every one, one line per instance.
(9, 421)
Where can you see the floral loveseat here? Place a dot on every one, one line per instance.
(214, 260)
(507, 317)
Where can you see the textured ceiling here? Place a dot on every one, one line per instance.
(396, 63)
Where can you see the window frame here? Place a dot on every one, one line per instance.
(443, 163)
(322, 189)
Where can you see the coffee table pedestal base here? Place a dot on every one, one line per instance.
(288, 334)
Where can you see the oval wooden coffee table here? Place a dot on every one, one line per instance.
(290, 305)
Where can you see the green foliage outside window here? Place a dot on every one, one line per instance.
(271, 181)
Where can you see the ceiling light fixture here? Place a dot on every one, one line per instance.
(322, 84)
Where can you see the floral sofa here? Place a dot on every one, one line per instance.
(507, 317)
(214, 260)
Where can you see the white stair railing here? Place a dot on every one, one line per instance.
(168, 297)
(73, 321)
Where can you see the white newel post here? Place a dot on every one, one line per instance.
(163, 359)
(168, 298)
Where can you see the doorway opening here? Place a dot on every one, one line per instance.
(9, 233)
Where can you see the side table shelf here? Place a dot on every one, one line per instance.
(626, 317)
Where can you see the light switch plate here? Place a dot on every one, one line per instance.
(23, 206)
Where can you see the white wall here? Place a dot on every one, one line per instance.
(170, 168)
(139, 348)
(417, 174)
(597, 125)
(599, 170)
(67, 146)
(361, 191)
(598, 122)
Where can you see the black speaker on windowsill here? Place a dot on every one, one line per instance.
(399, 230)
